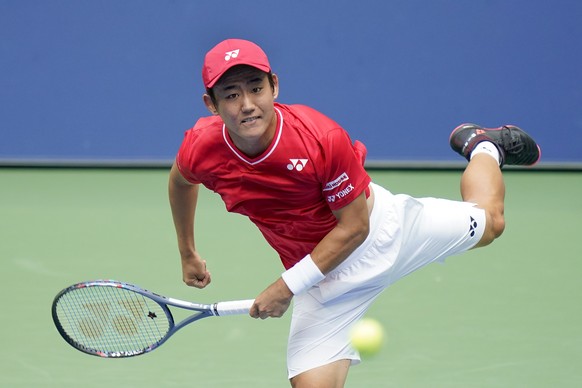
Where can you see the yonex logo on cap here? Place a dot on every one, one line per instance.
(224, 55)
(231, 54)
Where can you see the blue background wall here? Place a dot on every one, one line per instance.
(120, 79)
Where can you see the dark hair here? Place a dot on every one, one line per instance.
(210, 91)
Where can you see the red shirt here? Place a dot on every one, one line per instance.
(289, 191)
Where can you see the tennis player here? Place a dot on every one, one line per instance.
(301, 180)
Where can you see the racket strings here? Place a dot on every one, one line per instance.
(109, 320)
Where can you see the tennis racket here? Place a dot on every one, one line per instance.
(107, 318)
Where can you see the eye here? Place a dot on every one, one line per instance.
(231, 96)
(258, 89)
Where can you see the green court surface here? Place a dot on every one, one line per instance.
(508, 315)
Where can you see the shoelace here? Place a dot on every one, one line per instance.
(511, 142)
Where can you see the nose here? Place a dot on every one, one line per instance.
(248, 104)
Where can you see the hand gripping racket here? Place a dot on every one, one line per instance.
(107, 318)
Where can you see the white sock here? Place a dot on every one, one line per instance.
(486, 147)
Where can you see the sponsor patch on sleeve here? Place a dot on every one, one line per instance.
(335, 184)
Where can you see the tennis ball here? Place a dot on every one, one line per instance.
(367, 337)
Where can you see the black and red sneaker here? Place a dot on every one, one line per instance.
(515, 146)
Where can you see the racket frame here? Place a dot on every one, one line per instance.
(203, 311)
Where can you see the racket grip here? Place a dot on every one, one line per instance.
(235, 307)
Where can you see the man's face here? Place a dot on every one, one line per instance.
(244, 100)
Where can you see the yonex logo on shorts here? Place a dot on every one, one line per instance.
(231, 54)
(296, 164)
(472, 227)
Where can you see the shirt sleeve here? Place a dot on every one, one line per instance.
(345, 177)
(184, 158)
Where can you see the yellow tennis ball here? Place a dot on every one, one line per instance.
(367, 337)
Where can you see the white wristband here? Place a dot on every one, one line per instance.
(302, 276)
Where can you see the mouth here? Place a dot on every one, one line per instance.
(250, 120)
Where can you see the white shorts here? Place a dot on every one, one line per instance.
(405, 234)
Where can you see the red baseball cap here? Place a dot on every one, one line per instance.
(229, 53)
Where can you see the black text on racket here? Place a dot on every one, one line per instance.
(107, 318)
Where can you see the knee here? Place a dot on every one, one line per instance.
(494, 227)
(498, 225)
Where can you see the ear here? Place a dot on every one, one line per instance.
(209, 104)
(275, 85)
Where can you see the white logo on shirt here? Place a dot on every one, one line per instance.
(336, 182)
(231, 54)
(297, 164)
(341, 194)
(345, 191)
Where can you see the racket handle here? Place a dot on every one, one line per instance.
(234, 307)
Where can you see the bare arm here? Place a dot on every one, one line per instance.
(183, 199)
(351, 231)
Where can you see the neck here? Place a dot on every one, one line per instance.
(255, 146)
